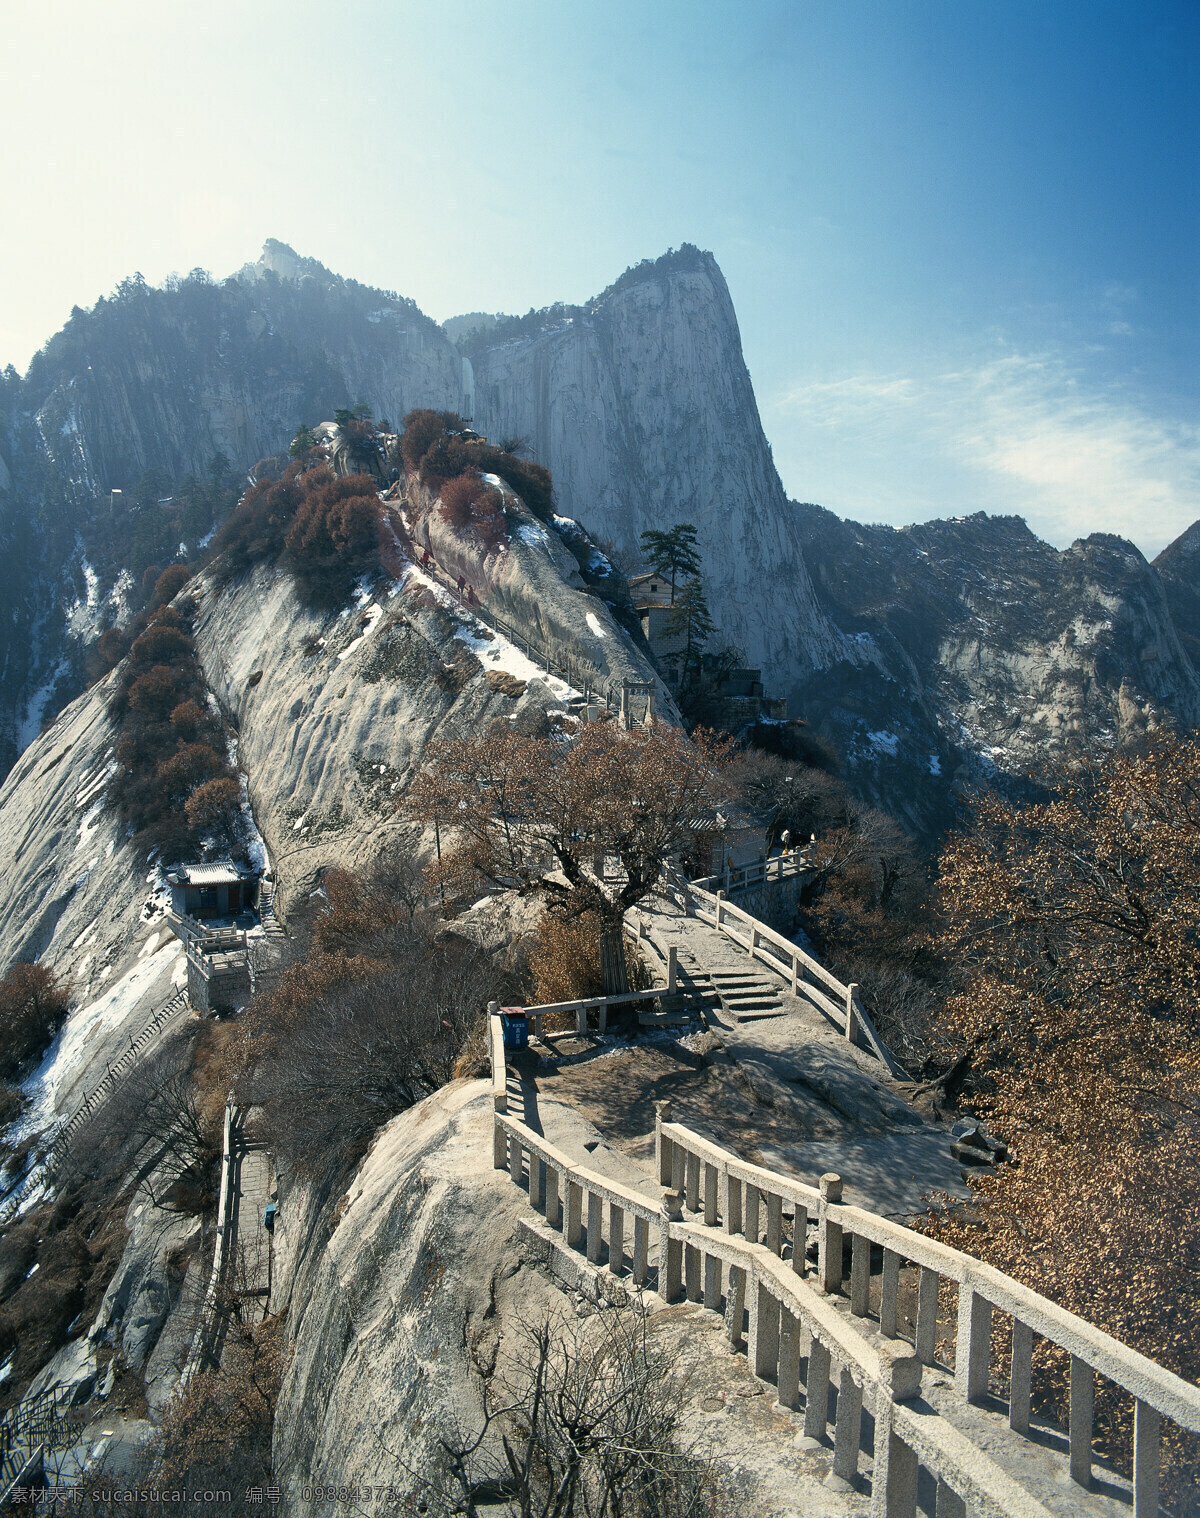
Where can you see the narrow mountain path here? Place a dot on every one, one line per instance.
(827, 1104)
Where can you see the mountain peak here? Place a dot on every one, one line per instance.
(280, 259)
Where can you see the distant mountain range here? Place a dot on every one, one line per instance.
(952, 651)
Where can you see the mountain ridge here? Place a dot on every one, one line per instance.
(641, 404)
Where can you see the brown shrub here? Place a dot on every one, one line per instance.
(188, 717)
(216, 1433)
(334, 534)
(190, 766)
(423, 428)
(33, 1002)
(169, 584)
(565, 958)
(214, 807)
(467, 502)
(158, 691)
(112, 647)
(161, 644)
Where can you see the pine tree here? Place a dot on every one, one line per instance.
(673, 552)
(691, 617)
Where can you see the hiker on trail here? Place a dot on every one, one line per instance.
(470, 595)
(426, 559)
(462, 580)
(785, 838)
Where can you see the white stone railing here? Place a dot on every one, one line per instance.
(736, 877)
(582, 1007)
(225, 1212)
(733, 1236)
(751, 1201)
(808, 978)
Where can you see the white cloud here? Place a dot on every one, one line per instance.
(1023, 433)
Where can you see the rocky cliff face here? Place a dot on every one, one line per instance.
(641, 405)
(334, 713)
(1178, 567)
(949, 650)
(153, 384)
(987, 652)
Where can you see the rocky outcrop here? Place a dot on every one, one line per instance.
(532, 580)
(641, 405)
(334, 713)
(162, 380)
(1178, 567)
(985, 652)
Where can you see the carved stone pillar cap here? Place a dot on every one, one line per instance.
(831, 1187)
(672, 1205)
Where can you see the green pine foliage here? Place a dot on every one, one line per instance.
(672, 553)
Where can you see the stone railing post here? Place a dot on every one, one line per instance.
(672, 968)
(721, 902)
(662, 1144)
(972, 1355)
(829, 1267)
(894, 1482)
(851, 1020)
(499, 1094)
(670, 1251)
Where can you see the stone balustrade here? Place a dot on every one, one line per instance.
(733, 1237)
(808, 977)
(755, 1203)
(761, 871)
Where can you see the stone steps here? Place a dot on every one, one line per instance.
(745, 996)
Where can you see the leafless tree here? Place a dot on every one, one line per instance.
(537, 815)
(583, 1422)
(365, 1047)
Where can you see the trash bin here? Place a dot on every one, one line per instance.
(269, 1212)
(515, 1026)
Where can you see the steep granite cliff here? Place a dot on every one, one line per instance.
(641, 405)
(152, 386)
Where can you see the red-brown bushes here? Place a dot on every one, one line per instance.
(466, 502)
(187, 719)
(328, 529)
(169, 584)
(213, 807)
(189, 766)
(160, 644)
(33, 1001)
(169, 743)
(422, 428)
(434, 447)
(159, 690)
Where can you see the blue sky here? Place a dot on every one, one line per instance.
(960, 235)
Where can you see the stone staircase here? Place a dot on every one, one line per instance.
(744, 994)
(696, 997)
(266, 909)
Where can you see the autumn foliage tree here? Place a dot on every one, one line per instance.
(33, 1002)
(438, 446)
(539, 815)
(1075, 926)
(325, 527)
(469, 503)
